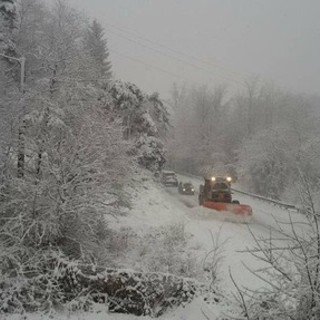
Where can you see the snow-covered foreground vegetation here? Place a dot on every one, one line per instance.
(86, 229)
(169, 233)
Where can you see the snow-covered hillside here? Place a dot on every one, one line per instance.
(156, 213)
(154, 206)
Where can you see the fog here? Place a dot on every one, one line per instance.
(83, 190)
(154, 43)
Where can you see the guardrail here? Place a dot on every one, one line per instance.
(256, 196)
(279, 203)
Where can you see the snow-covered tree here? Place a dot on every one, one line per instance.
(159, 114)
(96, 47)
(140, 122)
(182, 137)
(33, 15)
(8, 67)
(9, 70)
(7, 26)
(266, 162)
(249, 132)
(200, 123)
(74, 157)
(66, 162)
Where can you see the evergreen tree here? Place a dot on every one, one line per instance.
(159, 114)
(144, 119)
(7, 25)
(8, 71)
(96, 47)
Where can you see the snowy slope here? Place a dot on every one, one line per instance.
(154, 205)
(160, 206)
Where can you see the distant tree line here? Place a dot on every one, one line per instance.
(267, 137)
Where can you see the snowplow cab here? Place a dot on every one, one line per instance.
(221, 192)
(217, 189)
(216, 194)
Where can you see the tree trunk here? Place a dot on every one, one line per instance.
(21, 149)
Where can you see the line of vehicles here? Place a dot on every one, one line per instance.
(169, 179)
(214, 194)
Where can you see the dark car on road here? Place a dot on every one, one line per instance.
(186, 188)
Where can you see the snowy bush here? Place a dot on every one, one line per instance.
(150, 153)
(33, 286)
(162, 249)
(292, 271)
(127, 291)
(78, 286)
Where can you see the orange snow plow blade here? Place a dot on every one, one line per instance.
(238, 209)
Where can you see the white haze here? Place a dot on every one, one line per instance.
(277, 40)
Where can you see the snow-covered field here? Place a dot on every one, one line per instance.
(154, 206)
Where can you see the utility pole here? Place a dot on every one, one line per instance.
(22, 62)
(21, 155)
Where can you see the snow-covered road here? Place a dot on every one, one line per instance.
(156, 205)
(236, 237)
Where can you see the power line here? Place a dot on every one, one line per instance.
(139, 36)
(147, 64)
(177, 59)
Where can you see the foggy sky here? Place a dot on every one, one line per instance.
(278, 40)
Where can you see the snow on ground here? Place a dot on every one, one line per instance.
(150, 206)
(194, 311)
(160, 206)
(236, 236)
(154, 205)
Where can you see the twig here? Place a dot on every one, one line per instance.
(241, 296)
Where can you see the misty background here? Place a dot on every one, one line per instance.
(156, 43)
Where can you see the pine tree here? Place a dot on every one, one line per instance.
(7, 26)
(143, 119)
(96, 46)
(159, 114)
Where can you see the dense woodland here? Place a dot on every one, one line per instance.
(73, 135)
(70, 139)
(266, 137)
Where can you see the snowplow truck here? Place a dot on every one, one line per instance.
(216, 194)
